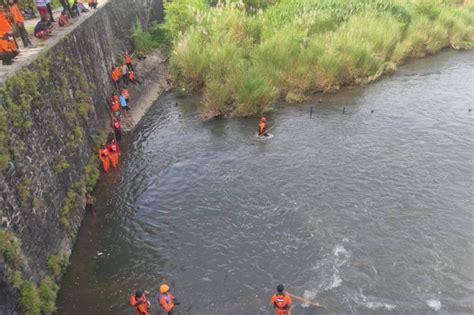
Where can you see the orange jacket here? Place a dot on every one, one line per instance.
(16, 13)
(166, 301)
(282, 303)
(262, 126)
(115, 107)
(140, 305)
(116, 125)
(127, 58)
(4, 24)
(116, 74)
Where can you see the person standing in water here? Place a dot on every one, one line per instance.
(140, 303)
(104, 156)
(166, 299)
(281, 301)
(262, 127)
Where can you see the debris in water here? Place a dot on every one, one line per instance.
(434, 304)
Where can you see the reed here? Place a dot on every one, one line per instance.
(243, 57)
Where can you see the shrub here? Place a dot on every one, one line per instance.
(47, 292)
(29, 298)
(10, 247)
(295, 47)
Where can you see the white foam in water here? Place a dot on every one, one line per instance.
(339, 249)
(309, 295)
(434, 304)
(335, 281)
(377, 305)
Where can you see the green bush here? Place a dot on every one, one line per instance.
(10, 247)
(48, 291)
(30, 299)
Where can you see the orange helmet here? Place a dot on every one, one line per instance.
(164, 288)
(264, 119)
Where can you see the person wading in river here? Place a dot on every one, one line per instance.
(114, 152)
(262, 127)
(104, 156)
(166, 299)
(281, 301)
(140, 303)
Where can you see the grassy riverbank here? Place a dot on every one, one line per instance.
(243, 57)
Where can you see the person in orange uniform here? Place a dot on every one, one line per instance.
(115, 108)
(114, 152)
(126, 94)
(140, 303)
(116, 76)
(117, 127)
(262, 127)
(166, 299)
(128, 60)
(19, 21)
(104, 156)
(8, 46)
(281, 302)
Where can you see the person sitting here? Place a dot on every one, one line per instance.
(8, 47)
(92, 4)
(63, 20)
(41, 29)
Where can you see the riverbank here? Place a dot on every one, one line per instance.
(243, 60)
(154, 75)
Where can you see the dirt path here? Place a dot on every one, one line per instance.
(153, 73)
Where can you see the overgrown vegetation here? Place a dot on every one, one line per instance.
(10, 248)
(56, 264)
(245, 56)
(29, 298)
(48, 291)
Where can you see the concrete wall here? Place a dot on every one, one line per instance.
(51, 111)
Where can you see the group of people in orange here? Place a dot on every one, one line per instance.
(109, 155)
(119, 106)
(281, 301)
(125, 73)
(165, 298)
(11, 16)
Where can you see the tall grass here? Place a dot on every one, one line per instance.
(243, 57)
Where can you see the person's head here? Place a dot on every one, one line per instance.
(112, 141)
(280, 288)
(164, 288)
(11, 2)
(139, 293)
(102, 146)
(44, 19)
(263, 119)
(2, 8)
(63, 13)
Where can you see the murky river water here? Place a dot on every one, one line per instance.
(366, 212)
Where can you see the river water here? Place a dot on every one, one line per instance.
(369, 211)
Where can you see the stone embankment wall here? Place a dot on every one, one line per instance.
(51, 115)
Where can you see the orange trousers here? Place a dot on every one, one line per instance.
(114, 157)
(105, 163)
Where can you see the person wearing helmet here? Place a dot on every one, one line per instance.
(281, 301)
(140, 303)
(166, 299)
(262, 127)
